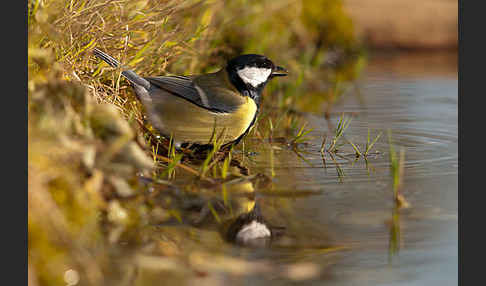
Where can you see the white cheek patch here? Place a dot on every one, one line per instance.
(253, 230)
(254, 76)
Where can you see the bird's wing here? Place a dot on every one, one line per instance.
(205, 91)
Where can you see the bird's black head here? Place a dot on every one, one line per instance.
(250, 73)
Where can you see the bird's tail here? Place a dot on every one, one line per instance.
(106, 58)
(128, 74)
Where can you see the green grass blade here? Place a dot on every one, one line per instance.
(368, 148)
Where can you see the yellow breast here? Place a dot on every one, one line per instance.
(187, 122)
(242, 118)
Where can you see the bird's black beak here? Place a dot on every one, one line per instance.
(279, 71)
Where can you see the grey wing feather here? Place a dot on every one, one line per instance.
(185, 87)
(179, 86)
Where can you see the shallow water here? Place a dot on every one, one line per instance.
(339, 215)
(416, 97)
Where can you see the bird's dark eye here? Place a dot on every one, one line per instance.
(265, 63)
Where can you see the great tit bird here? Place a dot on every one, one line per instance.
(194, 109)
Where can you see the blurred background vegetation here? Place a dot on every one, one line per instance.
(86, 144)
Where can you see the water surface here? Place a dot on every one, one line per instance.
(415, 96)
